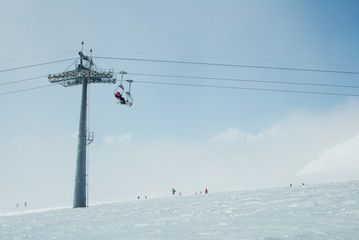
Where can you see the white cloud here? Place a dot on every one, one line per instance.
(270, 158)
(233, 135)
(74, 135)
(109, 139)
(290, 146)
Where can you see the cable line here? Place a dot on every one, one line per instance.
(212, 86)
(72, 64)
(243, 80)
(23, 80)
(209, 78)
(248, 88)
(26, 89)
(190, 62)
(36, 65)
(228, 65)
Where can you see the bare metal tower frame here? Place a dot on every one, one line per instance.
(85, 73)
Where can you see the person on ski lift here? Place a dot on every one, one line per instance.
(122, 100)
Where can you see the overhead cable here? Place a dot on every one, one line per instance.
(36, 65)
(243, 80)
(26, 89)
(23, 80)
(248, 88)
(212, 86)
(193, 63)
(210, 78)
(228, 65)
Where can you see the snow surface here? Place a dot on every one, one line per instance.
(326, 211)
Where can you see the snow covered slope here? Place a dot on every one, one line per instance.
(339, 162)
(329, 211)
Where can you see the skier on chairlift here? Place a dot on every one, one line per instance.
(128, 101)
(122, 100)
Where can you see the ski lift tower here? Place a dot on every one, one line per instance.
(85, 73)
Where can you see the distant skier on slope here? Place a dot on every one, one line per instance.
(206, 191)
(173, 191)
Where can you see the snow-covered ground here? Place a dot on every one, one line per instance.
(326, 211)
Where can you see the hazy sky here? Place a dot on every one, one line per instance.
(189, 138)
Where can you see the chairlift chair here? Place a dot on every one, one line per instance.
(128, 100)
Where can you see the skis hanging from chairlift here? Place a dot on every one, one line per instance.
(119, 91)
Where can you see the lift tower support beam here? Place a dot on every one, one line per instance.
(80, 179)
(85, 73)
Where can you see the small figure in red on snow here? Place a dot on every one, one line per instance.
(206, 191)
